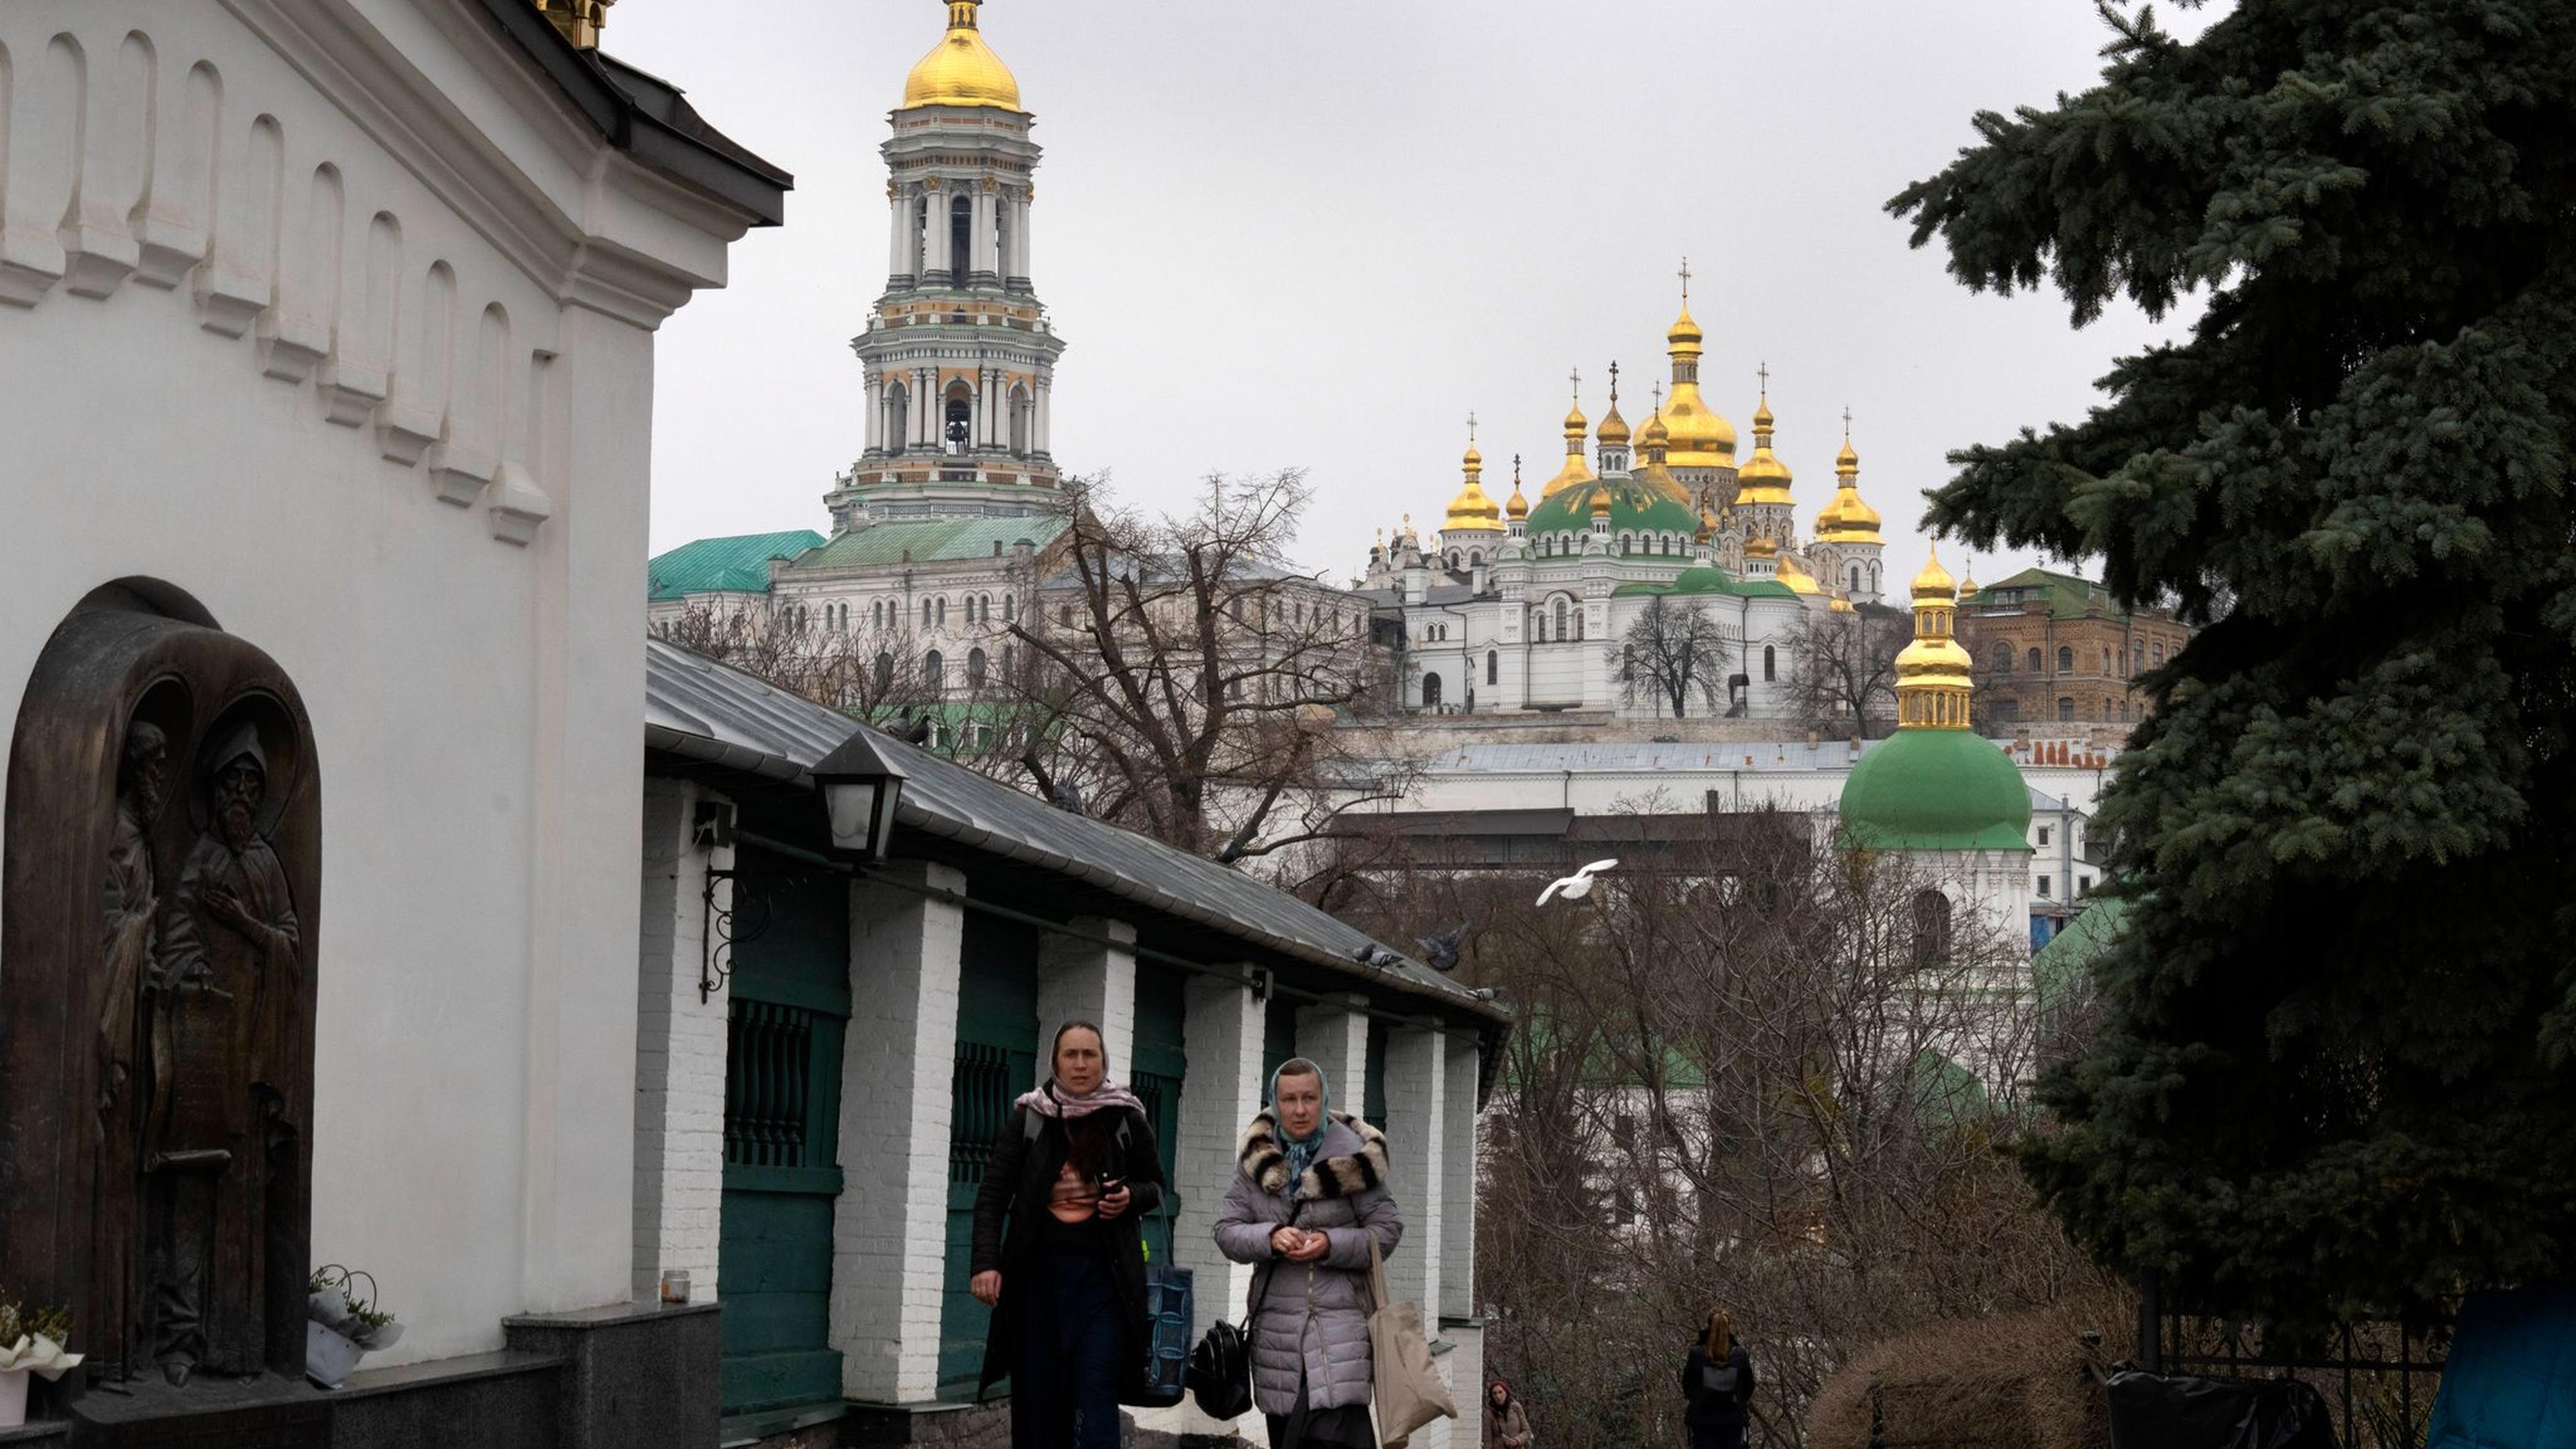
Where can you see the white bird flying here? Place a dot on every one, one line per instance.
(1576, 886)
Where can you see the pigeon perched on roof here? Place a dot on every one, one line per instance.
(1066, 796)
(1576, 886)
(1378, 956)
(917, 732)
(1440, 953)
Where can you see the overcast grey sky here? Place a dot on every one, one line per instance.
(1318, 233)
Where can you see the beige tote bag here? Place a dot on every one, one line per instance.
(1408, 1390)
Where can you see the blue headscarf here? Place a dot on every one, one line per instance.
(1302, 1152)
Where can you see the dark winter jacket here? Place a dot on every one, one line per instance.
(1716, 1411)
(1312, 1314)
(1018, 1180)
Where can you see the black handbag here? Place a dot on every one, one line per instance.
(1221, 1366)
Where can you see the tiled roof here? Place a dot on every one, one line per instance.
(703, 710)
(931, 540)
(736, 565)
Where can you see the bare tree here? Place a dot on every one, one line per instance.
(1843, 668)
(1182, 679)
(1763, 1076)
(1671, 652)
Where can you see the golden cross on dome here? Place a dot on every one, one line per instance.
(1576, 377)
(1471, 430)
(1516, 472)
(1764, 372)
(1659, 396)
(1614, 384)
(1847, 425)
(1686, 276)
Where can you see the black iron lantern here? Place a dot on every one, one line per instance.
(861, 786)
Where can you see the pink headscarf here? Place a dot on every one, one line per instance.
(1051, 1101)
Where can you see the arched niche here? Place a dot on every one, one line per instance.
(160, 883)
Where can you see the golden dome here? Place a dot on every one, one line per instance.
(1798, 579)
(1577, 427)
(1471, 511)
(1601, 502)
(1967, 586)
(1699, 437)
(963, 70)
(1842, 605)
(1763, 478)
(1847, 519)
(1934, 582)
(1654, 436)
(1614, 428)
(1760, 547)
(1519, 506)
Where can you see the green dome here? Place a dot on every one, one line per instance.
(1935, 789)
(1634, 508)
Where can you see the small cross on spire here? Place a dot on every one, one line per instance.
(1516, 472)
(1659, 396)
(1614, 384)
(1471, 430)
(1576, 377)
(1764, 372)
(1847, 425)
(1686, 276)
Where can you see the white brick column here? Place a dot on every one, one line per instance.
(1462, 1157)
(1221, 1032)
(898, 1066)
(1335, 1037)
(1417, 1117)
(1081, 980)
(679, 1051)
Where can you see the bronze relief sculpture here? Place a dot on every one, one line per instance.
(156, 1003)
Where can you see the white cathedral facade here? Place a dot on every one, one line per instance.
(1516, 607)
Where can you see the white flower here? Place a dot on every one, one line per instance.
(39, 1355)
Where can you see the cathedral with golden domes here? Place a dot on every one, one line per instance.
(1516, 605)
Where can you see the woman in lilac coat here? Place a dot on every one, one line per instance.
(1309, 1193)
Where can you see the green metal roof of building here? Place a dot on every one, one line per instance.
(1634, 508)
(1936, 789)
(932, 540)
(736, 565)
(2058, 968)
(2067, 596)
(1709, 579)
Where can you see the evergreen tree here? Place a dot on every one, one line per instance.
(2338, 1071)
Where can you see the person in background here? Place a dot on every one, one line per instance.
(1717, 1385)
(1059, 1255)
(1506, 1427)
(1309, 1196)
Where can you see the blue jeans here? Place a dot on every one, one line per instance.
(1064, 1380)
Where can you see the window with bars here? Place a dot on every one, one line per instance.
(981, 1091)
(769, 1097)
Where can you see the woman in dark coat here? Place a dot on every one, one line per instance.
(1059, 1253)
(1717, 1384)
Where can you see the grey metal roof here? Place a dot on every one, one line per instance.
(698, 708)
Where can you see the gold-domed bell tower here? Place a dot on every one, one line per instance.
(959, 355)
(1933, 675)
(1848, 548)
(1700, 444)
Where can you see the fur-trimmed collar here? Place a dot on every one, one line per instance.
(1266, 1162)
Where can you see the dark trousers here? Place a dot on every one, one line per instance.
(1347, 1427)
(1718, 1436)
(1064, 1379)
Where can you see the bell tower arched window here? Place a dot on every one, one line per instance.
(961, 239)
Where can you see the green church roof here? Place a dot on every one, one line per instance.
(2058, 969)
(1936, 789)
(736, 565)
(933, 540)
(2067, 596)
(1634, 508)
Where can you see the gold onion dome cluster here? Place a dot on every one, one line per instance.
(1471, 511)
(963, 70)
(1847, 519)
(1935, 660)
(1699, 437)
